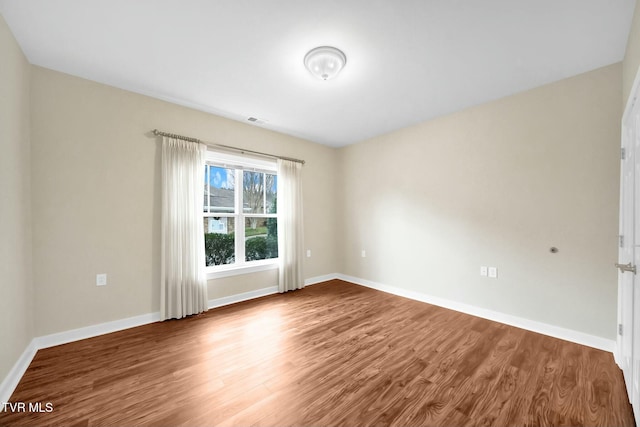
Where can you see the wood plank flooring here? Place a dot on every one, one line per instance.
(333, 354)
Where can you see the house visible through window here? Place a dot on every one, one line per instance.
(240, 212)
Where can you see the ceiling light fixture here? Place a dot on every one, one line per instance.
(325, 62)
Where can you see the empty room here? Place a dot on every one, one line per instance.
(295, 213)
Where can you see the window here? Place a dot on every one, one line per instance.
(240, 212)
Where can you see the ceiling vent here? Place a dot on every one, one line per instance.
(256, 120)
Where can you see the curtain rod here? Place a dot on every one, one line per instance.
(156, 132)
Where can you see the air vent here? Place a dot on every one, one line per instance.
(256, 120)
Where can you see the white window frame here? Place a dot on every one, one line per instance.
(234, 161)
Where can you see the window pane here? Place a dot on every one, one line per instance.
(219, 240)
(271, 183)
(206, 188)
(261, 238)
(221, 186)
(253, 192)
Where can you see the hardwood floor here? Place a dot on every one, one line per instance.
(333, 354)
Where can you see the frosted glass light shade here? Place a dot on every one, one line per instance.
(325, 62)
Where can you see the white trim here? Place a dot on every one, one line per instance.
(131, 322)
(14, 376)
(95, 330)
(508, 319)
(616, 354)
(245, 296)
(221, 158)
(319, 279)
(271, 264)
(632, 95)
(232, 299)
(629, 103)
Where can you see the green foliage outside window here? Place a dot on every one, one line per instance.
(219, 248)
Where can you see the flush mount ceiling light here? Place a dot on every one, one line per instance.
(325, 62)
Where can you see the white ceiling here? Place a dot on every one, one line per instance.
(407, 60)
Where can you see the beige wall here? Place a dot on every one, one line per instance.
(16, 293)
(497, 185)
(632, 56)
(494, 185)
(96, 198)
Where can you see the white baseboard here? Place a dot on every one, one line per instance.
(508, 319)
(95, 330)
(616, 354)
(319, 279)
(12, 379)
(218, 302)
(232, 299)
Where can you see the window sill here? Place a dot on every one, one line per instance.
(254, 267)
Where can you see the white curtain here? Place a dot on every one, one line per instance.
(183, 279)
(290, 227)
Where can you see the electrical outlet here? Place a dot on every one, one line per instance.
(101, 279)
(493, 272)
(364, 254)
(484, 271)
(308, 253)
